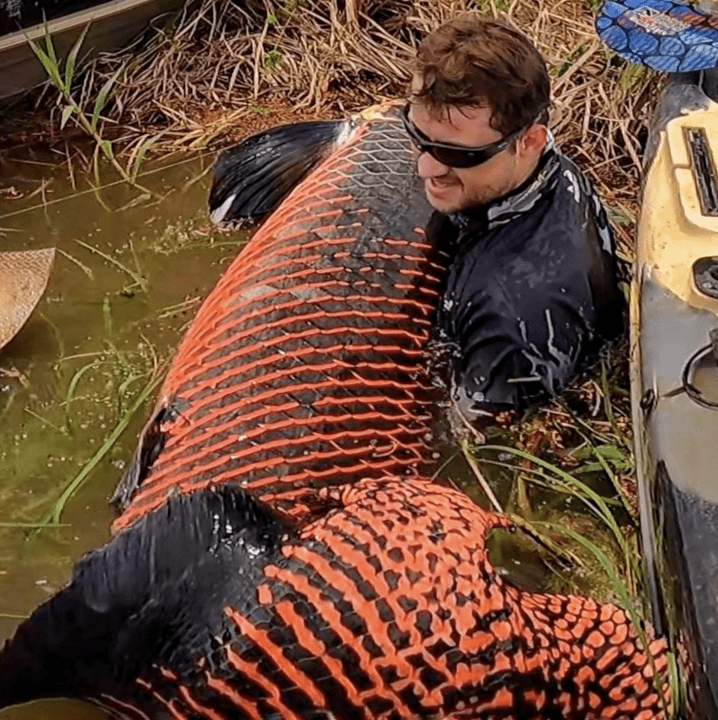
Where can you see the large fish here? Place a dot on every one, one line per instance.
(280, 554)
(305, 366)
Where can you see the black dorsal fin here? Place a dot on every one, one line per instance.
(250, 180)
(153, 594)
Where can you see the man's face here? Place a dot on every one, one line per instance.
(452, 189)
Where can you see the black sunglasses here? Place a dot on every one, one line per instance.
(455, 156)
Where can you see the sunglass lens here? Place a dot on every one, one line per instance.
(458, 158)
(451, 157)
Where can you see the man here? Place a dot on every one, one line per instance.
(532, 294)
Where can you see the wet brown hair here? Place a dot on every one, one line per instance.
(469, 61)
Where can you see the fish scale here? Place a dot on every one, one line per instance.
(304, 366)
(388, 608)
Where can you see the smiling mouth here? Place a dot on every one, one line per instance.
(438, 186)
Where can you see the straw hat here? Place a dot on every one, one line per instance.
(23, 279)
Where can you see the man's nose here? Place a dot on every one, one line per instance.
(429, 167)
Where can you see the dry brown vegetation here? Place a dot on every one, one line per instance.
(223, 68)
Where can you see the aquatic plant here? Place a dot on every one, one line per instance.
(90, 122)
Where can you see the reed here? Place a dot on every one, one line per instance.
(54, 516)
(63, 79)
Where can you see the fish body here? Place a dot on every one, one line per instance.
(387, 607)
(305, 365)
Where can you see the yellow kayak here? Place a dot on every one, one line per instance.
(674, 332)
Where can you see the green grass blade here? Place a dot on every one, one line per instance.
(542, 479)
(139, 157)
(50, 68)
(73, 386)
(677, 687)
(603, 452)
(106, 147)
(50, 47)
(608, 407)
(72, 57)
(102, 97)
(617, 583)
(67, 113)
(123, 387)
(597, 504)
(614, 481)
(56, 513)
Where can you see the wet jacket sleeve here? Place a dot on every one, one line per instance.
(515, 357)
(529, 303)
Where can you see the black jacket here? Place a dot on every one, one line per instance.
(532, 292)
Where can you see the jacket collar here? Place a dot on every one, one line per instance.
(519, 201)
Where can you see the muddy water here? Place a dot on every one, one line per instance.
(129, 274)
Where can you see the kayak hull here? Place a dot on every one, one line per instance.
(675, 383)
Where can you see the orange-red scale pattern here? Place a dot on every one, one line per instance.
(306, 361)
(389, 608)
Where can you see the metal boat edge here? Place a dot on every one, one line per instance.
(112, 25)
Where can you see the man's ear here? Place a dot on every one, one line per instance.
(533, 141)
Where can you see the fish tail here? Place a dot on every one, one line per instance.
(616, 668)
(252, 179)
(42, 660)
(151, 594)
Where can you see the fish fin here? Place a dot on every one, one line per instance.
(252, 179)
(150, 445)
(154, 596)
